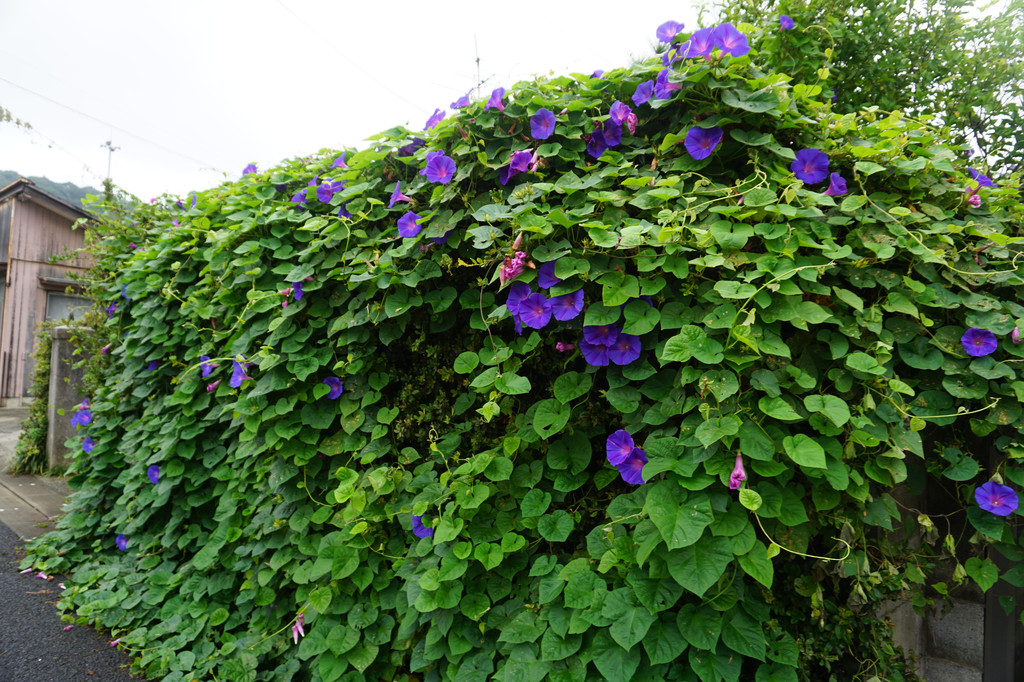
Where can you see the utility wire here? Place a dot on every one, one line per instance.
(348, 59)
(112, 126)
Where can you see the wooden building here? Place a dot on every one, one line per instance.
(35, 231)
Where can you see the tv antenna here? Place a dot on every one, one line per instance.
(109, 146)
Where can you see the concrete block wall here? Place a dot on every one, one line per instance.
(64, 395)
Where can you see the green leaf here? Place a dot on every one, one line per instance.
(618, 287)
(320, 599)
(757, 565)
(551, 417)
(750, 499)
(868, 167)
(630, 621)
(777, 408)
(700, 565)
(982, 571)
(488, 554)
(663, 642)
(681, 523)
(556, 526)
(853, 202)
(805, 451)
(466, 362)
(535, 502)
(744, 635)
(511, 383)
(615, 663)
(571, 385)
(836, 409)
(760, 197)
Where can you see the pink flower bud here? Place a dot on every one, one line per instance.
(738, 474)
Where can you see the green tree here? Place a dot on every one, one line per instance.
(944, 58)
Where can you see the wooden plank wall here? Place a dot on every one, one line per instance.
(37, 234)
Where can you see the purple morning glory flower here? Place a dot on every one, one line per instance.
(612, 133)
(643, 92)
(738, 474)
(442, 239)
(397, 195)
(154, 365)
(596, 354)
(419, 530)
(701, 142)
(111, 309)
(122, 543)
(535, 311)
(663, 89)
(238, 374)
(519, 162)
(408, 225)
(434, 119)
(297, 291)
(983, 180)
(786, 23)
(340, 161)
(205, 366)
(810, 166)
(604, 334)
(495, 100)
(625, 350)
(996, 498)
(667, 31)
(325, 192)
(336, 387)
(298, 632)
(516, 293)
(410, 149)
(439, 168)
(567, 306)
(461, 102)
(343, 211)
(978, 342)
(730, 41)
(597, 74)
(632, 468)
(596, 146)
(619, 112)
(700, 43)
(251, 168)
(210, 388)
(836, 185)
(82, 415)
(124, 292)
(618, 447)
(88, 444)
(153, 472)
(299, 198)
(546, 275)
(542, 124)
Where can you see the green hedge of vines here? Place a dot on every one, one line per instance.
(360, 411)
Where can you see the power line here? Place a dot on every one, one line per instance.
(348, 59)
(111, 126)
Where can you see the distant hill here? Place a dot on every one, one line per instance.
(69, 192)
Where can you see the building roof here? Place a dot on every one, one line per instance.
(25, 189)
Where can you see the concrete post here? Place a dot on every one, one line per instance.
(64, 395)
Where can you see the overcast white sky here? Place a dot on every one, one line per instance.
(191, 91)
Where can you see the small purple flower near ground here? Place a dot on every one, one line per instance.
(205, 366)
(336, 387)
(496, 100)
(251, 168)
(397, 195)
(439, 168)
(122, 544)
(730, 41)
(979, 342)
(810, 166)
(836, 185)
(786, 23)
(643, 92)
(996, 498)
(738, 474)
(153, 472)
(298, 632)
(542, 124)
(701, 142)
(667, 31)
(408, 225)
(419, 530)
(567, 306)
(88, 444)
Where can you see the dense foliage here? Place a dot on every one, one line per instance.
(947, 59)
(610, 377)
(30, 450)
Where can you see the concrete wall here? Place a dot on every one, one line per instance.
(64, 395)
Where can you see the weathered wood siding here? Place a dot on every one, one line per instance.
(36, 234)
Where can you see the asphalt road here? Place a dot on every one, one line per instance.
(33, 644)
